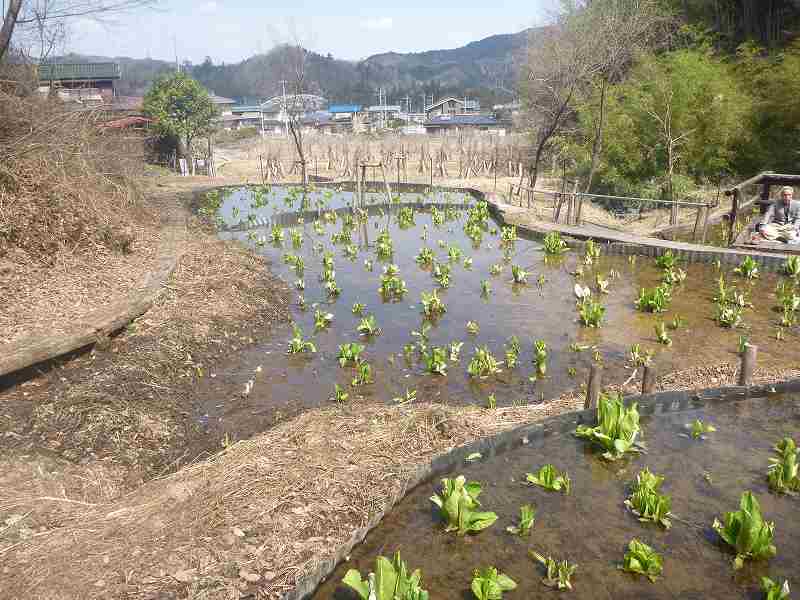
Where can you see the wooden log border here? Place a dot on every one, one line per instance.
(98, 324)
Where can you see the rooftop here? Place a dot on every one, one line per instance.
(384, 108)
(79, 71)
(221, 99)
(344, 108)
(452, 120)
(469, 105)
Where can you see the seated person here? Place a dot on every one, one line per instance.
(782, 219)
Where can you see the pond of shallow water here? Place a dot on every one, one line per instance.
(543, 309)
(592, 527)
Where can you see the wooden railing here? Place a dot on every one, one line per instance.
(740, 201)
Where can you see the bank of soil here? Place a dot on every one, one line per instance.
(90, 429)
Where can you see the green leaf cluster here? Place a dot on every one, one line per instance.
(436, 360)
(518, 274)
(746, 531)
(642, 559)
(349, 354)
(550, 478)
(298, 345)
(553, 244)
(654, 300)
(591, 312)
(617, 427)
(783, 473)
(458, 504)
(425, 256)
(432, 304)
(483, 363)
(558, 572)
(391, 580)
(774, 590)
(489, 584)
(646, 501)
(392, 287)
(527, 515)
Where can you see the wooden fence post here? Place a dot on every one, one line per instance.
(748, 365)
(696, 229)
(703, 235)
(648, 379)
(593, 386)
(733, 215)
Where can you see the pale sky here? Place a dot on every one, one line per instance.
(231, 30)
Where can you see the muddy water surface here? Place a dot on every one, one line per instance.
(543, 309)
(592, 527)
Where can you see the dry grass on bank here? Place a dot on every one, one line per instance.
(266, 509)
(73, 233)
(128, 404)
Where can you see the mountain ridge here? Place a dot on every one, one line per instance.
(482, 68)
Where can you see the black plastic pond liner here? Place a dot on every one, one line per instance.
(650, 405)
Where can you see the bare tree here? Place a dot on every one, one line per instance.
(299, 99)
(40, 14)
(622, 28)
(9, 22)
(591, 42)
(560, 63)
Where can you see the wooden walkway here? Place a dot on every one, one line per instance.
(628, 243)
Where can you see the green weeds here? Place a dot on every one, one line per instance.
(553, 244)
(297, 345)
(483, 364)
(550, 479)
(458, 504)
(647, 503)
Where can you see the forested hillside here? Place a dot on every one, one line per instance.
(483, 69)
(664, 97)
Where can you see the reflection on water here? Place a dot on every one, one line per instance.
(592, 527)
(543, 309)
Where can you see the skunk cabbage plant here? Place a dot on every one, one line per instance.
(783, 470)
(617, 427)
(390, 581)
(747, 532)
(489, 584)
(646, 502)
(774, 590)
(527, 515)
(458, 504)
(642, 559)
(549, 478)
(558, 572)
